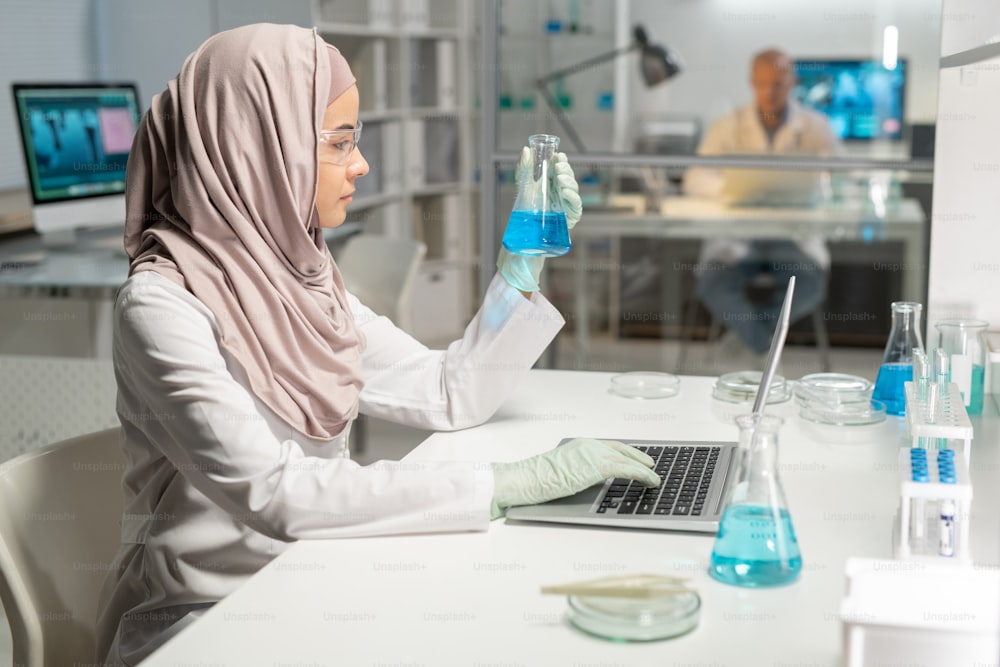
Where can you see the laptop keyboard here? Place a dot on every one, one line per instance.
(685, 473)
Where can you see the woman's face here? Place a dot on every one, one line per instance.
(338, 168)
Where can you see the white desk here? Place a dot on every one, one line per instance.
(473, 599)
(699, 218)
(91, 270)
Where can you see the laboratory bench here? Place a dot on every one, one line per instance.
(474, 598)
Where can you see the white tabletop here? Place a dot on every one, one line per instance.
(473, 599)
(700, 217)
(95, 261)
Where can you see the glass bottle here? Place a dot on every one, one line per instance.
(962, 342)
(756, 544)
(537, 225)
(897, 361)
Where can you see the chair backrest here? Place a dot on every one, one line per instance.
(381, 271)
(60, 515)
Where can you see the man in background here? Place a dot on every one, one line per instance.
(772, 124)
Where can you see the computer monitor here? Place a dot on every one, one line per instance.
(76, 139)
(862, 98)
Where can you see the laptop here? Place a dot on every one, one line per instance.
(696, 475)
(771, 187)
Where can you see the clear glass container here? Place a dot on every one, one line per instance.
(833, 389)
(741, 387)
(963, 342)
(756, 544)
(633, 619)
(537, 224)
(897, 361)
(645, 385)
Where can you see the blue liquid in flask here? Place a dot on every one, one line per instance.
(752, 549)
(538, 234)
(889, 386)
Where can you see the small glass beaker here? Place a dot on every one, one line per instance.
(963, 343)
(897, 361)
(756, 544)
(537, 224)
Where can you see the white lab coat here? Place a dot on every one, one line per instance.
(805, 132)
(216, 485)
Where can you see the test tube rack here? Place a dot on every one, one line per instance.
(928, 480)
(948, 424)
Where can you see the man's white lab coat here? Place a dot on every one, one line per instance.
(804, 132)
(216, 485)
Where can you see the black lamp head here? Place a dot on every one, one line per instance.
(657, 63)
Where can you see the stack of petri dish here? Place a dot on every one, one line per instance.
(838, 399)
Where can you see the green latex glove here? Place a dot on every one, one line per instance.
(565, 470)
(522, 271)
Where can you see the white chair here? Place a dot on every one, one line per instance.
(382, 271)
(60, 514)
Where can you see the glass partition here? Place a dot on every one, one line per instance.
(797, 136)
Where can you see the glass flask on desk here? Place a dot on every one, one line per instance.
(897, 361)
(963, 343)
(756, 544)
(537, 225)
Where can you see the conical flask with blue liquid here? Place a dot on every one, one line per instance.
(756, 544)
(537, 224)
(897, 361)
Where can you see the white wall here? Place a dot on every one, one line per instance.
(717, 38)
(39, 41)
(965, 231)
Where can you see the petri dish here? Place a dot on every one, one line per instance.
(635, 620)
(845, 414)
(741, 387)
(645, 385)
(833, 388)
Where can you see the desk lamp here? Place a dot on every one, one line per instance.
(656, 63)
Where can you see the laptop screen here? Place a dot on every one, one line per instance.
(76, 137)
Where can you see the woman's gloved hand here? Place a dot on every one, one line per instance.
(522, 271)
(565, 470)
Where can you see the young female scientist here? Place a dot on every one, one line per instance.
(241, 360)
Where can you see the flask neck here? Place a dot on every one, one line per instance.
(904, 336)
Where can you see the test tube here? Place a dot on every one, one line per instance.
(946, 529)
(941, 367)
(918, 504)
(921, 374)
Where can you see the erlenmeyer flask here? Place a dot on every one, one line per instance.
(756, 544)
(537, 225)
(897, 362)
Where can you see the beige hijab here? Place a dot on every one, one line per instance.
(221, 192)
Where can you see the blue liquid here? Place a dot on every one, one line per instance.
(752, 549)
(537, 234)
(975, 406)
(889, 386)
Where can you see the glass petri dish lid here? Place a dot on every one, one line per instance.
(862, 413)
(631, 619)
(645, 385)
(833, 389)
(741, 387)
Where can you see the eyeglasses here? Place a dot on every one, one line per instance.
(336, 146)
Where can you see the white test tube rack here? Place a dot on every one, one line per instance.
(947, 425)
(919, 532)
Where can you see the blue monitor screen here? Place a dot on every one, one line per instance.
(76, 137)
(862, 99)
